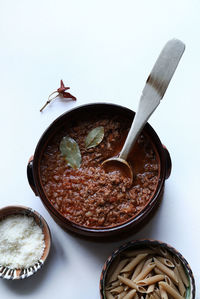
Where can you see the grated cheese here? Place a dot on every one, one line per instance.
(21, 242)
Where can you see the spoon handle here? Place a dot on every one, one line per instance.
(154, 90)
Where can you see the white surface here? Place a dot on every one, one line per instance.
(104, 50)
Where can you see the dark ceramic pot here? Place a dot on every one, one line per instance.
(33, 170)
(146, 244)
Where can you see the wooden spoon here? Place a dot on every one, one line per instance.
(153, 92)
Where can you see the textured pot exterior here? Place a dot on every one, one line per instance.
(146, 243)
(77, 113)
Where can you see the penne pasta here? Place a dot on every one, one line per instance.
(157, 291)
(164, 252)
(181, 286)
(121, 295)
(135, 261)
(147, 274)
(166, 261)
(170, 290)
(150, 280)
(166, 270)
(109, 295)
(136, 296)
(126, 275)
(117, 290)
(158, 271)
(136, 252)
(156, 294)
(131, 284)
(126, 288)
(150, 288)
(163, 293)
(145, 262)
(130, 294)
(169, 282)
(148, 261)
(145, 271)
(181, 272)
(117, 270)
(138, 269)
(113, 285)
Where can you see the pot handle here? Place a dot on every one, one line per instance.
(168, 162)
(30, 175)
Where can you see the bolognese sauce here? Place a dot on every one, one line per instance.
(88, 196)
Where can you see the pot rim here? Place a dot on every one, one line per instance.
(100, 231)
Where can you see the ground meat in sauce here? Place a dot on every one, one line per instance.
(89, 196)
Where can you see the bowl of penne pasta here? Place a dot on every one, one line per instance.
(146, 269)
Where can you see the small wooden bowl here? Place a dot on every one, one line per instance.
(144, 244)
(13, 274)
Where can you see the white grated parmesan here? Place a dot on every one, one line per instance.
(21, 242)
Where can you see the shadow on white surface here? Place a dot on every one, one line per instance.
(100, 249)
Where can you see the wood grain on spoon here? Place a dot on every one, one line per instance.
(153, 92)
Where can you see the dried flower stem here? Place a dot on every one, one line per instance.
(61, 91)
(49, 100)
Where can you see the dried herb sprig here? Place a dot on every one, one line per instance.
(61, 91)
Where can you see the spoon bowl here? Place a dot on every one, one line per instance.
(120, 165)
(153, 92)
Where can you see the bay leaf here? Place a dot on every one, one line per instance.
(94, 137)
(70, 151)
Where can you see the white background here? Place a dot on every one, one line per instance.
(104, 50)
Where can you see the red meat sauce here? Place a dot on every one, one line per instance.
(89, 196)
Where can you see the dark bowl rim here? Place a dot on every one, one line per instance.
(144, 242)
(100, 231)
